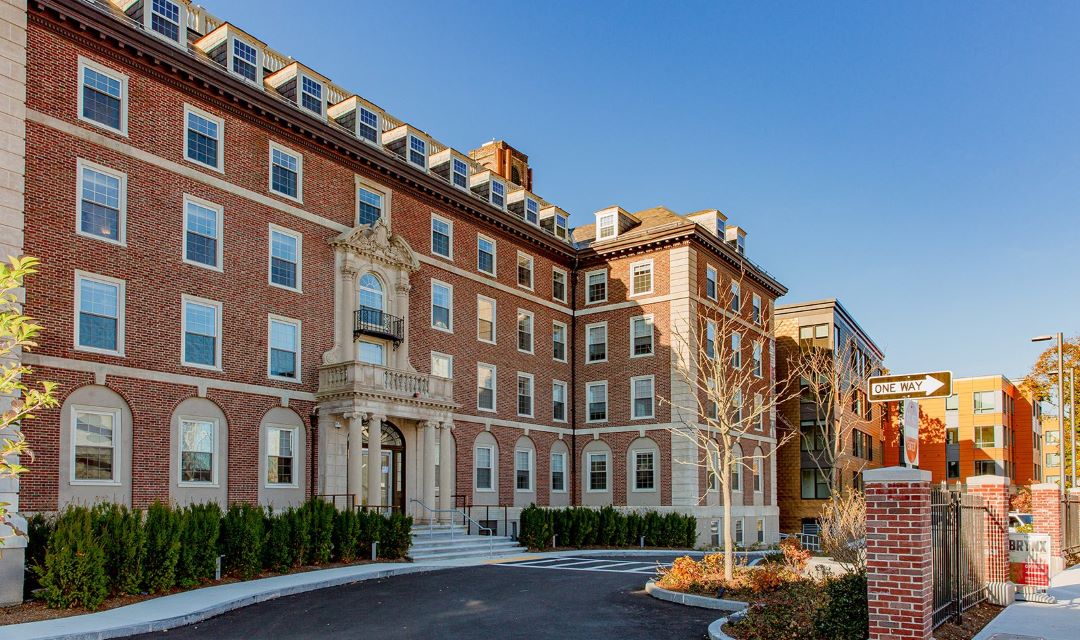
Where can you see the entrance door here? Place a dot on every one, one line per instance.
(392, 474)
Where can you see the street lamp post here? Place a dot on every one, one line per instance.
(1061, 406)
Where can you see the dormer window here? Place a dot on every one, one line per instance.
(560, 225)
(532, 211)
(740, 244)
(498, 194)
(367, 125)
(311, 95)
(245, 61)
(460, 174)
(165, 19)
(418, 152)
(607, 226)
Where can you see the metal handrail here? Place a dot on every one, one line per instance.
(464, 518)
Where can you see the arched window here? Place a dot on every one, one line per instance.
(371, 293)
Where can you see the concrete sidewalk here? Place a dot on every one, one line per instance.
(1030, 620)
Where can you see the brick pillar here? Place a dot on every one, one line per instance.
(899, 560)
(994, 490)
(1046, 512)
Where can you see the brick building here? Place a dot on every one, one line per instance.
(253, 282)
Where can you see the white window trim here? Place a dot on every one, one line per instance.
(566, 284)
(435, 354)
(299, 288)
(736, 350)
(532, 271)
(220, 122)
(648, 319)
(655, 471)
(427, 152)
(431, 311)
(81, 164)
(219, 341)
(219, 259)
(494, 468)
(259, 64)
(757, 470)
(566, 401)
(115, 75)
(270, 319)
(709, 269)
(374, 187)
(324, 89)
(532, 471)
(431, 236)
(121, 303)
(525, 211)
(295, 484)
(652, 413)
(736, 298)
(148, 13)
(468, 173)
(214, 465)
(551, 471)
(588, 274)
(755, 303)
(532, 325)
(652, 278)
(757, 360)
(494, 319)
(614, 216)
(494, 255)
(607, 405)
(532, 395)
(711, 324)
(588, 328)
(375, 343)
(117, 440)
(565, 342)
(299, 197)
(588, 471)
(494, 387)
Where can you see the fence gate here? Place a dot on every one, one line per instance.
(1070, 523)
(958, 523)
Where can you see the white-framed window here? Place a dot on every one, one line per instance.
(283, 357)
(736, 350)
(102, 201)
(525, 382)
(286, 172)
(286, 264)
(596, 398)
(198, 452)
(757, 359)
(418, 153)
(756, 470)
(99, 313)
(641, 336)
(281, 456)
(558, 401)
(203, 230)
(558, 284)
(598, 472)
(760, 531)
(739, 532)
(103, 96)
(95, 445)
(595, 287)
(486, 309)
(311, 94)
(523, 470)
(560, 225)
(737, 407)
(459, 173)
(525, 270)
(710, 339)
(485, 386)
(166, 20)
(525, 322)
(201, 320)
(485, 255)
(713, 473)
(607, 226)
(558, 341)
(710, 282)
(245, 61)
(644, 470)
(497, 194)
(370, 204)
(642, 393)
(558, 472)
(371, 352)
(367, 125)
(442, 365)
(442, 306)
(759, 413)
(641, 278)
(736, 297)
(485, 468)
(204, 138)
(532, 211)
(985, 401)
(756, 312)
(596, 342)
(736, 469)
(442, 237)
(712, 411)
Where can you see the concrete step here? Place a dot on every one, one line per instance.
(461, 541)
(497, 552)
(462, 546)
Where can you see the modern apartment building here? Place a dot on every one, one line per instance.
(988, 426)
(830, 445)
(255, 281)
(1051, 450)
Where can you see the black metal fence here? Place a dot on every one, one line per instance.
(1070, 524)
(958, 527)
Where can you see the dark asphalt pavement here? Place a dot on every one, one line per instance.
(473, 602)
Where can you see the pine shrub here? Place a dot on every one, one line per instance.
(162, 548)
(300, 534)
(73, 573)
(395, 536)
(38, 530)
(278, 550)
(199, 531)
(321, 517)
(346, 535)
(241, 540)
(123, 539)
(369, 524)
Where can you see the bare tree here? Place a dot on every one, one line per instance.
(726, 367)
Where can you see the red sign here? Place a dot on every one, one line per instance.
(1029, 559)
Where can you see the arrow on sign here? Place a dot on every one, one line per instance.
(914, 386)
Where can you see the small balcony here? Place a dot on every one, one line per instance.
(373, 322)
(349, 379)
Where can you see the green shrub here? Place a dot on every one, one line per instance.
(607, 527)
(369, 525)
(634, 529)
(73, 573)
(787, 613)
(199, 531)
(123, 539)
(395, 536)
(321, 517)
(536, 527)
(346, 535)
(300, 534)
(277, 549)
(38, 529)
(162, 548)
(845, 616)
(241, 540)
(653, 529)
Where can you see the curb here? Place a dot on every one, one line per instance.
(83, 627)
(716, 631)
(703, 602)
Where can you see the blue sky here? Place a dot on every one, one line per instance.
(919, 161)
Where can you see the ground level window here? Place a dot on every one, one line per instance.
(280, 447)
(197, 450)
(598, 479)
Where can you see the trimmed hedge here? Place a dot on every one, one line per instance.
(606, 527)
(82, 555)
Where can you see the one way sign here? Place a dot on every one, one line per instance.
(936, 384)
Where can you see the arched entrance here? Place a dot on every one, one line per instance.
(392, 489)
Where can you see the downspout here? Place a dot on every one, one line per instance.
(575, 499)
(312, 443)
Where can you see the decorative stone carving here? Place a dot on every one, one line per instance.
(377, 243)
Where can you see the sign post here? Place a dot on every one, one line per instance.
(907, 390)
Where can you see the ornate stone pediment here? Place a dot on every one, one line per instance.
(375, 242)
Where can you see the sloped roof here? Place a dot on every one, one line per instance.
(585, 235)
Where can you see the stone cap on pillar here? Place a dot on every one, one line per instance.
(896, 474)
(986, 479)
(1046, 486)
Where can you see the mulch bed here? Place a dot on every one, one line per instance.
(972, 622)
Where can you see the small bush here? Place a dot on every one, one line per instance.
(162, 548)
(199, 532)
(369, 526)
(38, 530)
(794, 555)
(688, 575)
(846, 615)
(300, 534)
(536, 527)
(346, 535)
(241, 540)
(606, 527)
(73, 573)
(123, 538)
(321, 519)
(785, 614)
(395, 536)
(277, 548)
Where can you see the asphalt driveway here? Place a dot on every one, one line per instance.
(486, 601)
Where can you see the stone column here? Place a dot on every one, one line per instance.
(356, 457)
(428, 431)
(994, 490)
(375, 459)
(346, 313)
(899, 556)
(1046, 513)
(446, 466)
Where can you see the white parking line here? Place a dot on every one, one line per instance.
(574, 564)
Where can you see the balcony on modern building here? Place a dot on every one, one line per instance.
(355, 378)
(369, 321)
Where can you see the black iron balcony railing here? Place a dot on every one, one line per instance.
(373, 322)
